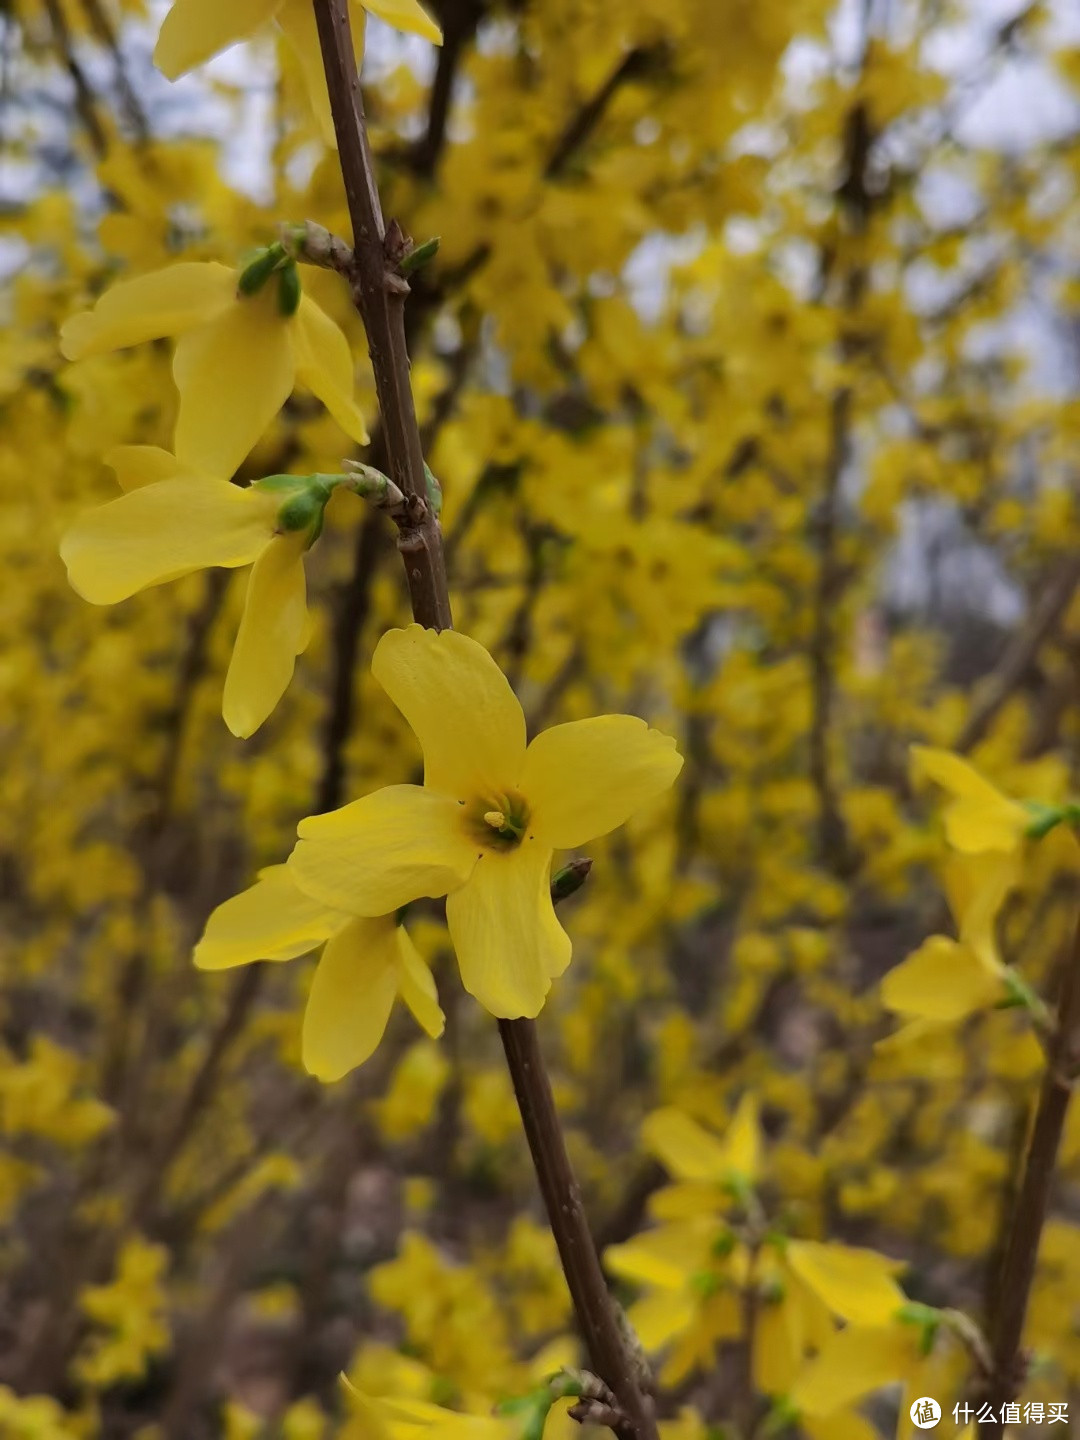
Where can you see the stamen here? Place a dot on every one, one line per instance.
(495, 818)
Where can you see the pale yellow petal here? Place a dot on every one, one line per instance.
(684, 1147)
(273, 629)
(195, 30)
(351, 996)
(297, 21)
(941, 981)
(460, 706)
(164, 302)
(272, 920)
(583, 779)
(417, 986)
(233, 376)
(324, 363)
(857, 1285)
(162, 531)
(658, 1318)
(667, 1256)
(138, 465)
(508, 940)
(407, 15)
(854, 1363)
(377, 854)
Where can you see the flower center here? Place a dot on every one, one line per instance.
(498, 822)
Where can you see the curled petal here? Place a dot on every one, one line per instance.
(162, 531)
(460, 706)
(195, 30)
(324, 364)
(273, 631)
(377, 854)
(417, 986)
(508, 940)
(233, 376)
(406, 15)
(586, 778)
(271, 920)
(351, 996)
(138, 465)
(164, 302)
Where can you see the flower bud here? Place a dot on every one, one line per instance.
(289, 289)
(255, 275)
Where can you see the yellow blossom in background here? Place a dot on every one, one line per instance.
(237, 358)
(365, 965)
(945, 980)
(978, 817)
(129, 1317)
(490, 815)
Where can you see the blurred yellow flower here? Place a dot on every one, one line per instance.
(978, 817)
(238, 356)
(365, 965)
(488, 818)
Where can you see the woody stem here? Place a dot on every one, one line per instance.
(1025, 1226)
(379, 292)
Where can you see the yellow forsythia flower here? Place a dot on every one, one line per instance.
(945, 980)
(237, 358)
(366, 963)
(491, 812)
(130, 1314)
(978, 816)
(195, 30)
(186, 521)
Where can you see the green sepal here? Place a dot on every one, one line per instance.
(569, 880)
(434, 491)
(1045, 818)
(256, 273)
(288, 294)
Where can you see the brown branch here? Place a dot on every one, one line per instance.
(380, 296)
(103, 28)
(84, 92)
(1025, 1227)
(1045, 615)
(459, 21)
(634, 65)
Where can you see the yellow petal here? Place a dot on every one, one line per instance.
(508, 941)
(272, 920)
(351, 996)
(165, 302)
(417, 986)
(196, 30)
(233, 376)
(854, 1363)
(977, 886)
(584, 779)
(377, 854)
(657, 1319)
(324, 362)
(138, 465)
(941, 981)
(273, 629)
(685, 1147)
(406, 15)
(667, 1256)
(297, 21)
(460, 706)
(980, 817)
(777, 1353)
(857, 1285)
(162, 531)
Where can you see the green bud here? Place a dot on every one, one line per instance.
(705, 1284)
(419, 256)
(434, 491)
(723, 1245)
(569, 879)
(255, 275)
(289, 289)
